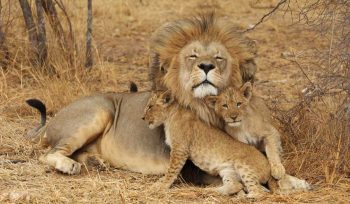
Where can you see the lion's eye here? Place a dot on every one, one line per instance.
(225, 106)
(149, 107)
(239, 104)
(193, 57)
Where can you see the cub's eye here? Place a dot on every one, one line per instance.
(149, 107)
(239, 104)
(225, 106)
(218, 58)
(193, 57)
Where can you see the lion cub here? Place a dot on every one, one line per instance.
(248, 120)
(209, 148)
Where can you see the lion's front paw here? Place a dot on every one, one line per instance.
(277, 170)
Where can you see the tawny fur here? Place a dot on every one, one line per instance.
(248, 120)
(205, 29)
(99, 126)
(209, 148)
(168, 40)
(109, 124)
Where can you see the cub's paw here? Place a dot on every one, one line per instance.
(290, 184)
(256, 195)
(160, 185)
(277, 170)
(257, 192)
(230, 188)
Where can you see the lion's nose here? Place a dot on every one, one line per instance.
(206, 67)
(234, 117)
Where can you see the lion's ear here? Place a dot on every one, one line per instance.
(247, 90)
(211, 101)
(167, 97)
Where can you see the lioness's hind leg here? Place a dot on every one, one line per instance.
(73, 139)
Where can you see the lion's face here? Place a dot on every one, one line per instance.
(205, 68)
(231, 105)
(156, 110)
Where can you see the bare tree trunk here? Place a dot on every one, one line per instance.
(56, 26)
(29, 21)
(72, 46)
(4, 52)
(89, 61)
(42, 48)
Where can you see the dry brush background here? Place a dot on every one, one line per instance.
(304, 70)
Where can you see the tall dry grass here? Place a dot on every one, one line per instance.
(316, 139)
(319, 125)
(59, 81)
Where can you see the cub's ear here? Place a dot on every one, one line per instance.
(167, 97)
(211, 101)
(247, 90)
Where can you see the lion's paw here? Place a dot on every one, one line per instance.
(293, 184)
(160, 185)
(255, 195)
(68, 166)
(277, 170)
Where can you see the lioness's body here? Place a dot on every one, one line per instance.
(209, 148)
(111, 124)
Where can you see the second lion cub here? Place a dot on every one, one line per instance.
(209, 148)
(248, 120)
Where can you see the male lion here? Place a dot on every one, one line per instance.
(200, 56)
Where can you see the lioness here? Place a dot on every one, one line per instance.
(208, 148)
(108, 126)
(247, 119)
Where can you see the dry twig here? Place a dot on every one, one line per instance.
(266, 16)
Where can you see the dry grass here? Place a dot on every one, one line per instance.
(121, 31)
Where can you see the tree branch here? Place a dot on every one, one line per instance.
(266, 16)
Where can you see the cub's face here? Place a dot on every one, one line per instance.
(205, 68)
(156, 110)
(231, 104)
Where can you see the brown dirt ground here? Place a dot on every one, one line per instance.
(121, 33)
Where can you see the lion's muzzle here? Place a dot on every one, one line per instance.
(205, 81)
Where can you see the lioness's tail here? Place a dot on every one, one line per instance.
(40, 106)
(37, 133)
